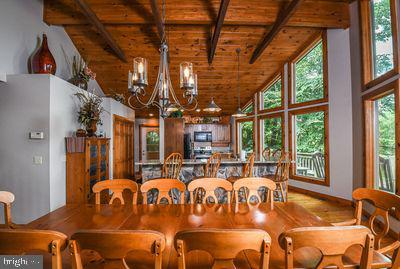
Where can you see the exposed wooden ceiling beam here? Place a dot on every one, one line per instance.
(158, 19)
(94, 20)
(218, 27)
(312, 13)
(281, 21)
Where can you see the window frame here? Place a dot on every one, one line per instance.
(369, 132)
(249, 103)
(270, 116)
(272, 81)
(366, 45)
(321, 36)
(237, 122)
(292, 147)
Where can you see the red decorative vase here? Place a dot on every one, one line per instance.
(43, 61)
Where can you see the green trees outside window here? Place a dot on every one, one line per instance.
(272, 96)
(246, 129)
(385, 141)
(310, 144)
(272, 133)
(382, 37)
(309, 78)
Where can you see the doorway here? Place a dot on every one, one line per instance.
(149, 146)
(123, 148)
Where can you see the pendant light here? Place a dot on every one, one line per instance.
(212, 107)
(239, 113)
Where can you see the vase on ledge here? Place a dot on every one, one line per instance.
(43, 61)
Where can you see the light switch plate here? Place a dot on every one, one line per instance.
(36, 135)
(37, 159)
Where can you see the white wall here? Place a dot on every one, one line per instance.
(47, 104)
(21, 26)
(24, 108)
(340, 119)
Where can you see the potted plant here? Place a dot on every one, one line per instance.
(81, 73)
(90, 111)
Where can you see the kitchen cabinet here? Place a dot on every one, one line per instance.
(221, 133)
(173, 136)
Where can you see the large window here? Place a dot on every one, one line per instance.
(271, 134)
(380, 122)
(245, 135)
(379, 40)
(309, 137)
(308, 75)
(249, 108)
(382, 38)
(272, 96)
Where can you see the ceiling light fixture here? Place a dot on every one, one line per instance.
(239, 113)
(163, 96)
(212, 107)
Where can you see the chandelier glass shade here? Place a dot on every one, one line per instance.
(163, 96)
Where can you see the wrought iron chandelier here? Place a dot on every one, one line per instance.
(163, 96)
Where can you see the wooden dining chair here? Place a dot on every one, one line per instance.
(117, 187)
(113, 246)
(384, 203)
(21, 241)
(251, 186)
(165, 187)
(212, 166)
(248, 169)
(223, 245)
(281, 176)
(208, 187)
(172, 166)
(7, 198)
(332, 242)
(267, 154)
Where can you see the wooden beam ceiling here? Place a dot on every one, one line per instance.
(91, 16)
(217, 30)
(312, 13)
(282, 20)
(132, 25)
(158, 19)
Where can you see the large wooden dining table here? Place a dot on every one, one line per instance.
(170, 219)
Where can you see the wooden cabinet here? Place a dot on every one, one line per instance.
(221, 133)
(86, 168)
(173, 136)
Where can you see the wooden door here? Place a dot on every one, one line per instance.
(149, 143)
(123, 149)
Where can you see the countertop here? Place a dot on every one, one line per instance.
(197, 162)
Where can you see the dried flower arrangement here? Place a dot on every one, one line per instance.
(81, 73)
(90, 111)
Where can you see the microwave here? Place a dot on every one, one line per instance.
(202, 137)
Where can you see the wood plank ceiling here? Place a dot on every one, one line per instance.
(189, 29)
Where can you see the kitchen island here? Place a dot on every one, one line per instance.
(195, 169)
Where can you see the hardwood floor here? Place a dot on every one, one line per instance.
(325, 209)
(328, 210)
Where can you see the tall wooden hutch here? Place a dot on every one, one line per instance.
(85, 167)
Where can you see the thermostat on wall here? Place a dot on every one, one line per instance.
(36, 135)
